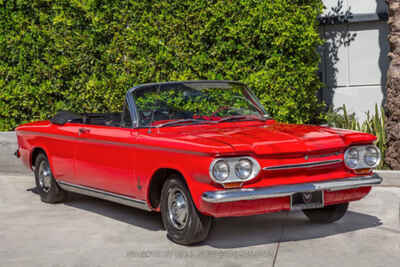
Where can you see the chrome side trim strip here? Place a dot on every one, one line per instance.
(303, 165)
(121, 199)
(105, 142)
(222, 196)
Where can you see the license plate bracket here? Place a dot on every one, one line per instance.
(307, 200)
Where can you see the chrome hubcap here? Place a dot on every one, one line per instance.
(44, 176)
(177, 208)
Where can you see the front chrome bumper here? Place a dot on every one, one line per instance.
(288, 190)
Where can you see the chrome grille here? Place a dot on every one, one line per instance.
(303, 165)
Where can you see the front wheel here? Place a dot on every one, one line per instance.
(184, 224)
(47, 186)
(327, 214)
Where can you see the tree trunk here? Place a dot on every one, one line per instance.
(392, 106)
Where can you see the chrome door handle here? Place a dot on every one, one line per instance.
(83, 130)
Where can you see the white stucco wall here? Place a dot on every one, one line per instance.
(359, 6)
(354, 60)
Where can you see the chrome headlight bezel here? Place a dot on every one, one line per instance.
(362, 152)
(243, 169)
(214, 170)
(352, 157)
(377, 153)
(232, 163)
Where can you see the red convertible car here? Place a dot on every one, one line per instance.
(196, 150)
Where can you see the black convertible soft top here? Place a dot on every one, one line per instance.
(62, 117)
(108, 119)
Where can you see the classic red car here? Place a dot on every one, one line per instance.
(196, 150)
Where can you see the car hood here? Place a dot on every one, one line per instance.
(276, 138)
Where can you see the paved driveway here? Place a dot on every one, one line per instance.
(88, 232)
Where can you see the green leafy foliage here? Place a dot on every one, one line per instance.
(82, 55)
(374, 124)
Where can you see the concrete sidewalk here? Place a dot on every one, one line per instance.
(89, 232)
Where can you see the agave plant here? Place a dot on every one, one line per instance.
(374, 124)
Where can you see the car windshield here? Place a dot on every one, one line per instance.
(173, 104)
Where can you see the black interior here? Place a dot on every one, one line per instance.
(107, 119)
(162, 111)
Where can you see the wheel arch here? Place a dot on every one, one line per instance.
(156, 183)
(35, 153)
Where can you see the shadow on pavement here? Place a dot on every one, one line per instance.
(136, 217)
(283, 227)
(144, 219)
(234, 232)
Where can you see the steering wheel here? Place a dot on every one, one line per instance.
(219, 110)
(238, 111)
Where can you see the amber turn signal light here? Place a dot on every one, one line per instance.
(363, 171)
(233, 185)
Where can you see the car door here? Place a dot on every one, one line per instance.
(61, 145)
(105, 158)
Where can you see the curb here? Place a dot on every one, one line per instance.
(8, 138)
(390, 178)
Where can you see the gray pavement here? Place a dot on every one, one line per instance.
(89, 232)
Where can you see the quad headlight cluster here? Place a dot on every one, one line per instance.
(362, 157)
(235, 169)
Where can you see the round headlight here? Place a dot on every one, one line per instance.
(351, 157)
(372, 156)
(220, 170)
(243, 168)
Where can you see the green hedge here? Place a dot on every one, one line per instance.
(83, 55)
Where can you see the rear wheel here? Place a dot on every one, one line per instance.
(327, 214)
(184, 224)
(48, 188)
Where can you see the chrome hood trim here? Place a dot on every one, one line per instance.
(222, 196)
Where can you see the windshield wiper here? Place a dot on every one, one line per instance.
(240, 117)
(230, 118)
(169, 123)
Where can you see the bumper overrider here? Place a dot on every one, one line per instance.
(223, 196)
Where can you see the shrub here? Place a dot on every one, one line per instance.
(83, 55)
